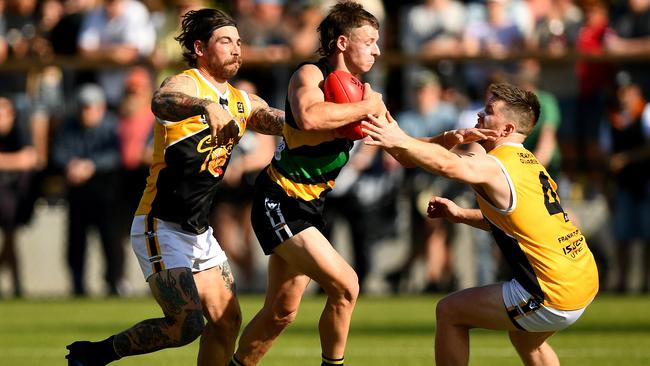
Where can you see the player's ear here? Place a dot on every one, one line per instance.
(510, 128)
(342, 43)
(198, 47)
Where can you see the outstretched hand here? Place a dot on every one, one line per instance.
(467, 135)
(383, 131)
(440, 207)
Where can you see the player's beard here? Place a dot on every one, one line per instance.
(230, 68)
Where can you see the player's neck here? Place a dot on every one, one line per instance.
(338, 63)
(513, 138)
(221, 85)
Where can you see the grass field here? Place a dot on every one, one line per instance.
(385, 331)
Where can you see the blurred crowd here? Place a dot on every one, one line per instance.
(76, 79)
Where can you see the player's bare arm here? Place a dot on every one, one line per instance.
(440, 207)
(176, 100)
(265, 119)
(311, 110)
(468, 168)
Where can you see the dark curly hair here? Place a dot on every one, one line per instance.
(521, 106)
(342, 18)
(199, 25)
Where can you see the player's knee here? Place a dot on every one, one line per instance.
(445, 310)
(191, 326)
(283, 316)
(345, 293)
(229, 321)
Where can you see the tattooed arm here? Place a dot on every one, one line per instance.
(265, 119)
(176, 100)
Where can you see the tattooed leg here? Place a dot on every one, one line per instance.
(217, 290)
(177, 295)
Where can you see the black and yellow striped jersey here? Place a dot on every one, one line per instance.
(186, 168)
(306, 163)
(548, 254)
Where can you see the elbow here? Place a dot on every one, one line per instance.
(307, 122)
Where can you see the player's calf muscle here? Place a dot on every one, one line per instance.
(155, 334)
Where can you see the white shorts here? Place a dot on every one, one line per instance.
(166, 246)
(530, 315)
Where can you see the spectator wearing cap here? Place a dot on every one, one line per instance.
(87, 153)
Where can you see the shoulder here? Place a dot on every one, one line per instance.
(179, 83)
(307, 75)
(256, 101)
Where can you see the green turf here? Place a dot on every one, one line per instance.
(385, 331)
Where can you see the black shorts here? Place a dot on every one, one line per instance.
(277, 217)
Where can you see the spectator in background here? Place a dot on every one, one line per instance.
(17, 160)
(494, 36)
(433, 28)
(429, 238)
(231, 211)
(542, 140)
(629, 163)
(21, 22)
(266, 41)
(4, 49)
(582, 151)
(135, 133)
(67, 29)
(87, 152)
(303, 18)
(556, 30)
(167, 56)
(632, 38)
(119, 32)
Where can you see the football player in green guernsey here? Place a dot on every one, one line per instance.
(200, 117)
(290, 192)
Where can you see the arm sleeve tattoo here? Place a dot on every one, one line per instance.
(264, 119)
(172, 103)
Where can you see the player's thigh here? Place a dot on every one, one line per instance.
(477, 307)
(217, 292)
(309, 252)
(175, 291)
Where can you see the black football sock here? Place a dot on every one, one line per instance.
(331, 361)
(106, 350)
(86, 353)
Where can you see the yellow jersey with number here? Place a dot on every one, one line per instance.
(186, 168)
(547, 252)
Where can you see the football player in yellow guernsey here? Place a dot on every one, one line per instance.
(555, 275)
(200, 117)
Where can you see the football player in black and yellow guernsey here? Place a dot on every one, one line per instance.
(555, 275)
(289, 193)
(201, 116)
